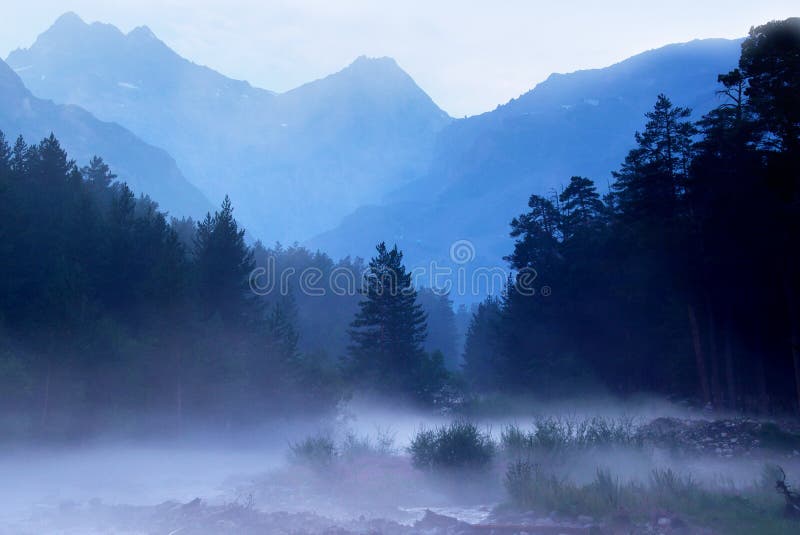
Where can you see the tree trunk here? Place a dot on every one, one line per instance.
(702, 374)
(716, 386)
(761, 377)
(729, 375)
(46, 400)
(795, 341)
(794, 335)
(179, 389)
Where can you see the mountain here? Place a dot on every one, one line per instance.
(293, 163)
(485, 167)
(146, 169)
(364, 155)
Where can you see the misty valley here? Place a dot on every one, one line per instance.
(339, 310)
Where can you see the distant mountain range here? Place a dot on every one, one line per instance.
(294, 163)
(145, 168)
(485, 167)
(363, 155)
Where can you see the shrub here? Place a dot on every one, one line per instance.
(457, 445)
(318, 450)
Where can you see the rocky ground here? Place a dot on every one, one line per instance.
(198, 518)
(723, 438)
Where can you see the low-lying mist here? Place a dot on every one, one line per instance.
(371, 465)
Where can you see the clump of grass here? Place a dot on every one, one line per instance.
(599, 431)
(356, 446)
(321, 450)
(553, 434)
(457, 445)
(530, 487)
(752, 510)
(667, 482)
(516, 442)
(556, 435)
(318, 450)
(607, 489)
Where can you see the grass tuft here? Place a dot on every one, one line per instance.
(457, 445)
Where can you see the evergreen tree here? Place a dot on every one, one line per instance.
(98, 173)
(21, 156)
(441, 321)
(482, 346)
(388, 331)
(223, 264)
(770, 64)
(538, 234)
(99, 179)
(5, 158)
(650, 184)
(581, 207)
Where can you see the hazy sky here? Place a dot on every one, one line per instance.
(469, 56)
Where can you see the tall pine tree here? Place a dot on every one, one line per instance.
(388, 331)
(223, 263)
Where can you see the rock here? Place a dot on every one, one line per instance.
(193, 504)
(434, 521)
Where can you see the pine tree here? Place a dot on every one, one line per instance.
(5, 157)
(581, 207)
(388, 331)
(441, 321)
(99, 179)
(21, 155)
(98, 173)
(651, 182)
(537, 236)
(223, 264)
(10, 225)
(482, 347)
(770, 63)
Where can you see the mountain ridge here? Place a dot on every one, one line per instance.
(486, 166)
(293, 163)
(147, 169)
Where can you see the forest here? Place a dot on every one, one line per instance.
(680, 279)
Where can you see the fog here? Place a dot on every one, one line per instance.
(121, 482)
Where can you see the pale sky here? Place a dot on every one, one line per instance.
(469, 56)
